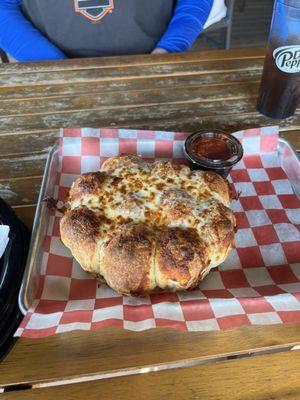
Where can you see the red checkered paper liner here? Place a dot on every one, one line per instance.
(259, 283)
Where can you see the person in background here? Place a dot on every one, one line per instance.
(42, 30)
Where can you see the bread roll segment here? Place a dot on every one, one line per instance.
(142, 227)
(128, 260)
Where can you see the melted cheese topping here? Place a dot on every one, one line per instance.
(160, 195)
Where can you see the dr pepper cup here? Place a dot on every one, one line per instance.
(279, 94)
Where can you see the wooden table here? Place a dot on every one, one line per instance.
(175, 92)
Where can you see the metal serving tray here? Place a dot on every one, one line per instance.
(31, 275)
(289, 160)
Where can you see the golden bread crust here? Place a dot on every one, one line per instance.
(141, 226)
(123, 161)
(217, 184)
(79, 230)
(127, 262)
(181, 257)
(87, 183)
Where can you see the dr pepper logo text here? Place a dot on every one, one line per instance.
(287, 58)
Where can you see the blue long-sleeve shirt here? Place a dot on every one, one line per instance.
(20, 39)
(187, 23)
(24, 42)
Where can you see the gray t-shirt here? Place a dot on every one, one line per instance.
(88, 28)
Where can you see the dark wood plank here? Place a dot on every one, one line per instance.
(110, 350)
(293, 137)
(139, 60)
(99, 87)
(228, 122)
(20, 191)
(22, 166)
(272, 376)
(25, 214)
(227, 114)
(21, 143)
(133, 72)
(216, 95)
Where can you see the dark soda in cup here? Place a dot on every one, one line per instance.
(279, 94)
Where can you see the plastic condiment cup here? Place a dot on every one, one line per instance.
(213, 150)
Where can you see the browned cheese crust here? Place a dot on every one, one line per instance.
(128, 260)
(80, 229)
(141, 227)
(181, 257)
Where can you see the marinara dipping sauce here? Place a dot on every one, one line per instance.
(213, 150)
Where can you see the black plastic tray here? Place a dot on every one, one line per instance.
(12, 265)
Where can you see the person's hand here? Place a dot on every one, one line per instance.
(159, 51)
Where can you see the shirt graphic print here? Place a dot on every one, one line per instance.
(94, 10)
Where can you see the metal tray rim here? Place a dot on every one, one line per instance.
(288, 143)
(23, 304)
